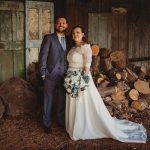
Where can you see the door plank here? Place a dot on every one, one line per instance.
(6, 65)
(99, 29)
(36, 28)
(11, 39)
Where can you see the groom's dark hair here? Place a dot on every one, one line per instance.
(60, 17)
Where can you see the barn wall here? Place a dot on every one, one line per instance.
(135, 40)
(12, 36)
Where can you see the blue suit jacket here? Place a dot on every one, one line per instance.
(52, 57)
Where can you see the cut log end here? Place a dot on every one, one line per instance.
(142, 86)
(134, 94)
(95, 49)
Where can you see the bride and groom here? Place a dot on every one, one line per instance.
(80, 108)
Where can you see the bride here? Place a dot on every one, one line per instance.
(86, 114)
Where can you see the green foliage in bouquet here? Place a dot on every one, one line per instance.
(75, 82)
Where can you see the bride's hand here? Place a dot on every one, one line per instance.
(86, 70)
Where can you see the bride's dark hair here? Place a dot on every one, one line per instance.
(84, 39)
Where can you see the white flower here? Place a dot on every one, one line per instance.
(75, 81)
(69, 90)
(67, 80)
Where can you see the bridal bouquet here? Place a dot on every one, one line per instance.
(75, 81)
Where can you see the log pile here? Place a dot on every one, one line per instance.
(124, 87)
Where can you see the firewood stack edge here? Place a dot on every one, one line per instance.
(124, 87)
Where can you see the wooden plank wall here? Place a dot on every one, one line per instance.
(99, 29)
(139, 32)
(11, 40)
(77, 14)
(138, 24)
(137, 36)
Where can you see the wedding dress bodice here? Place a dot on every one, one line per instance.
(79, 57)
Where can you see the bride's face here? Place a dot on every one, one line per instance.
(77, 35)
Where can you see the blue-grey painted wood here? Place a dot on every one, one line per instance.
(40, 6)
(99, 29)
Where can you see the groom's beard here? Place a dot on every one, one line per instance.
(61, 32)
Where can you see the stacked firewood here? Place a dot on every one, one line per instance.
(123, 86)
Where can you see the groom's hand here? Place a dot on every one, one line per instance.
(43, 77)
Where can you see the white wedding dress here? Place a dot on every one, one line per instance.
(87, 116)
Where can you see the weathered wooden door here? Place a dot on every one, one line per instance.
(39, 21)
(99, 29)
(108, 30)
(11, 39)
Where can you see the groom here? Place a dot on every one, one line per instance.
(52, 67)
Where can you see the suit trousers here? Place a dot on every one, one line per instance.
(54, 90)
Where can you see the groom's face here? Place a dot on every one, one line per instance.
(61, 25)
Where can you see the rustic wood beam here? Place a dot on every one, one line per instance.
(139, 59)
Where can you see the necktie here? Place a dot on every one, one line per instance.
(63, 43)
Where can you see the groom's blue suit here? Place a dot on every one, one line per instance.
(53, 64)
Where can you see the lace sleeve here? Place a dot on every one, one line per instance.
(87, 55)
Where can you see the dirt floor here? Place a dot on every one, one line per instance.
(25, 133)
